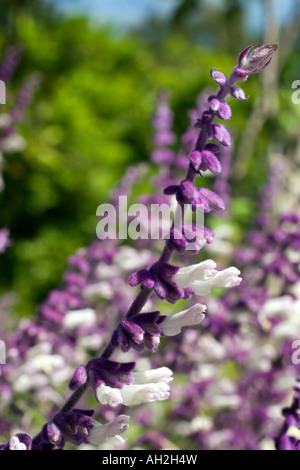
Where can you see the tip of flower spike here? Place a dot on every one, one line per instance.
(252, 60)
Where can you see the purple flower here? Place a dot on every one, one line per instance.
(74, 426)
(286, 443)
(190, 234)
(79, 378)
(221, 134)
(165, 285)
(142, 277)
(163, 156)
(8, 66)
(114, 374)
(78, 427)
(80, 263)
(160, 277)
(188, 193)
(205, 160)
(284, 269)
(220, 108)
(138, 332)
(4, 240)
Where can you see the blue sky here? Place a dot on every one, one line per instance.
(124, 13)
(255, 18)
(127, 13)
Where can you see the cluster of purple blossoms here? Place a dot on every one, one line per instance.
(92, 275)
(10, 140)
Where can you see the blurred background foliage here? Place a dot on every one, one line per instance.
(90, 117)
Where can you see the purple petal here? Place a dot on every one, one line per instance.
(215, 201)
(218, 77)
(221, 134)
(238, 93)
(169, 190)
(210, 162)
(214, 148)
(224, 111)
(195, 159)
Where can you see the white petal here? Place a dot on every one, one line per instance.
(13, 143)
(133, 395)
(223, 279)
(276, 306)
(130, 260)
(202, 271)
(173, 324)
(202, 287)
(163, 374)
(109, 396)
(15, 444)
(100, 433)
(100, 289)
(227, 278)
(75, 318)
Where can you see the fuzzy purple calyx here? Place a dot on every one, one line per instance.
(114, 374)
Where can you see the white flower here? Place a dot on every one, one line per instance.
(173, 324)
(100, 289)
(148, 386)
(93, 342)
(47, 363)
(75, 318)
(223, 279)
(104, 271)
(276, 306)
(130, 260)
(227, 401)
(100, 433)
(13, 143)
(24, 383)
(203, 277)
(5, 120)
(201, 271)
(287, 309)
(15, 444)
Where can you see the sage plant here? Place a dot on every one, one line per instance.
(116, 382)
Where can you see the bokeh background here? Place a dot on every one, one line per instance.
(101, 65)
